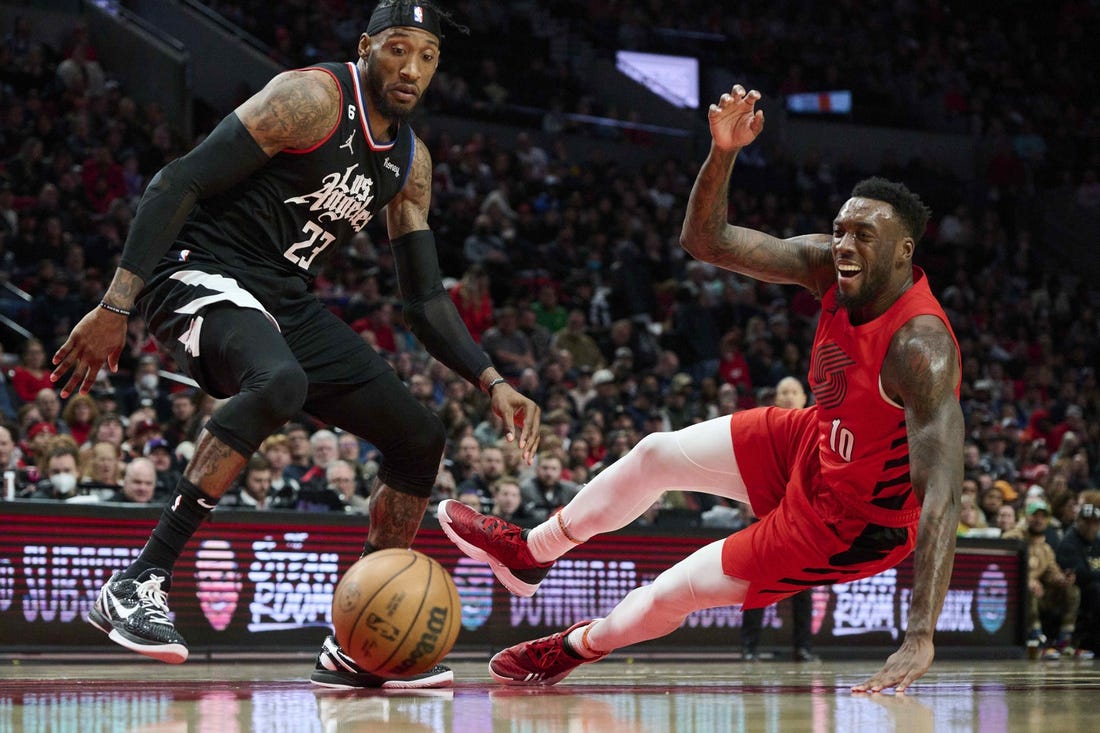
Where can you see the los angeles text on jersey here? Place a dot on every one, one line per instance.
(344, 196)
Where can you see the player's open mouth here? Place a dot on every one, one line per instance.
(846, 270)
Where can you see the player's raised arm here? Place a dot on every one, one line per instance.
(432, 315)
(921, 371)
(708, 236)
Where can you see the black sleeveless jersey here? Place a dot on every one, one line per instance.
(286, 216)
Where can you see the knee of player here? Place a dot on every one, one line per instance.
(286, 384)
(430, 437)
(652, 447)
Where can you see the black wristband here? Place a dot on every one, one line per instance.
(114, 308)
(495, 382)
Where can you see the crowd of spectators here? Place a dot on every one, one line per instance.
(951, 65)
(569, 273)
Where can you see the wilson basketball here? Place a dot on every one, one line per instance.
(396, 612)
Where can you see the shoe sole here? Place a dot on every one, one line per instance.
(504, 575)
(167, 653)
(335, 681)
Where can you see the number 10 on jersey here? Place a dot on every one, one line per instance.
(842, 441)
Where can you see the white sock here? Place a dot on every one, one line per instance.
(551, 539)
(578, 641)
(654, 610)
(697, 458)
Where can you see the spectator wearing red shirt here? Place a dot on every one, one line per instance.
(1073, 421)
(103, 179)
(471, 297)
(733, 368)
(31, 375)
(79, 414)
(379, 323)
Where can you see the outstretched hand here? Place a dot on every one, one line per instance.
(98, 338)
(516, 410)
(734, 121)
(903, 668)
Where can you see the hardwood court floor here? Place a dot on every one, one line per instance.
(619, 694)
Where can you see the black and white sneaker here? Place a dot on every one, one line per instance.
(336, 669)
(134, 614)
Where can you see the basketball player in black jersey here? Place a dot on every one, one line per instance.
(219, 261)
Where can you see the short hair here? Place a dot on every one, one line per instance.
(505, 479)
(545, 455)
(56, 448)
(137, 462)
(257, 462)
(337, 464)
(323, 435)
(914, 213)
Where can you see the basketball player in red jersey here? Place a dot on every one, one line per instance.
(844, 489)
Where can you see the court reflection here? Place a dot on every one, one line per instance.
(617, 698)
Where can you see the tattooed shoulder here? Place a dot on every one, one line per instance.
(922, 364)
(296, 109)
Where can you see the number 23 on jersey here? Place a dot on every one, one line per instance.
(303, 253)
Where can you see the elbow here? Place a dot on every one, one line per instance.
(174, 180)
(415, 318)
(691, 243)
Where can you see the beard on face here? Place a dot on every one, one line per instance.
(874, 283)
(376, 91)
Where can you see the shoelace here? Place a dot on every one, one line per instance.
(495, 526)
(153, 599)
(545, 654)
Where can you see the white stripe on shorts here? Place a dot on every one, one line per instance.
(227, 290)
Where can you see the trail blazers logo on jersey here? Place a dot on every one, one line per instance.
(344, 195)
(830, 384)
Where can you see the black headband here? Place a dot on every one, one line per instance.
(389, 15)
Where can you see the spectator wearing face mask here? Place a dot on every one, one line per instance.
(147, 390)
(60, 480)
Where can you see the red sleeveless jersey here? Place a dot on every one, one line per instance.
(862, 441)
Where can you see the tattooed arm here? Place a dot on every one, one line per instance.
(921, 371)
(295, 110)
(707, 236)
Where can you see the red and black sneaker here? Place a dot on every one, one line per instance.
(544, 661)
(492, 540)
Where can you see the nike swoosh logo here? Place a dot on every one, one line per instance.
(205, 504)
(120, 609)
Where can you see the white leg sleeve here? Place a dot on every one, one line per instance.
(697, 458)
(655, 610)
